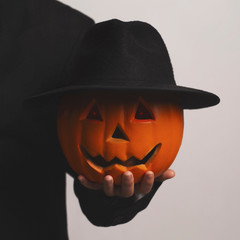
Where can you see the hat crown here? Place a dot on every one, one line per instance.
(120, 53)
(116, 55)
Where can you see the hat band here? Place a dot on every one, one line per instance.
(122, 81)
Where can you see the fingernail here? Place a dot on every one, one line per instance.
(150, 174)
(128, 174)
(108, 178)
(80, 178)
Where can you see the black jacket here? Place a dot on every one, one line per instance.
(36, 40)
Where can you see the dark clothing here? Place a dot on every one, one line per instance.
(37, 38)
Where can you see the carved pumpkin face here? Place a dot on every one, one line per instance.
(110, 133)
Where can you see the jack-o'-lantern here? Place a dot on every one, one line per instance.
(110, 133)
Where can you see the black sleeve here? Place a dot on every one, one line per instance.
(109, 211)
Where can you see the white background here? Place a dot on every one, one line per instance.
(202, 201)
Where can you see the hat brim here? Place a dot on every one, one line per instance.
(189, 98)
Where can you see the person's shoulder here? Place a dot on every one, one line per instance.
(60, 12)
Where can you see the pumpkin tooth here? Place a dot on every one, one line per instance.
(108, 156)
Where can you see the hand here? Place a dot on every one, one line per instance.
(128, 188)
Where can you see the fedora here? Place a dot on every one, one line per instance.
(125, 56)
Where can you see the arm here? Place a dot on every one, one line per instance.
(106, 205)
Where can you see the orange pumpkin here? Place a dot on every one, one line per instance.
(110, 133)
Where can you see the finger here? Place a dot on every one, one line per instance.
(88, 184)
(108, 186)
(127, 185)
(168, 174)
(146, 184)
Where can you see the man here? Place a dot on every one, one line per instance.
(37, 39)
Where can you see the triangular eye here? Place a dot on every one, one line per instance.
(143, 113)
(94, 113)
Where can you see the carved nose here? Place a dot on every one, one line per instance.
(120, 134)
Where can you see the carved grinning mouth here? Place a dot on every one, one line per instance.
(132, 161)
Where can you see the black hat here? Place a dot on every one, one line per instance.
(116, 55)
